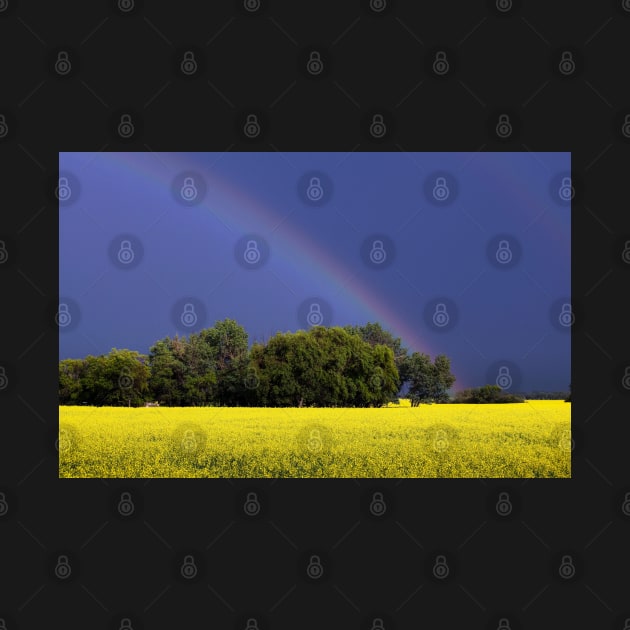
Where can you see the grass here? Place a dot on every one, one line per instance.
(504, 440)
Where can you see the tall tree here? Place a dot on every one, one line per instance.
(443, 378)
(323, 367)
(118, 378)
(374, 334)
(71, 375)
(429, 382)
(168, 371)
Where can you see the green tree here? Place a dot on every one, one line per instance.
(429, 382)
(71, 375)
(374, 334)
(118, 378)
(487, 394)
(227, 342)
(420, 378)
(206, 368)
(168, 371)
(443, 378)
(200, 375)
(323, 367)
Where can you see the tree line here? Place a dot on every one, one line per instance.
(350, 366)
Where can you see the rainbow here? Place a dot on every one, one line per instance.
(299, 251)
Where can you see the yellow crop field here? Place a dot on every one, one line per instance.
(531, 439)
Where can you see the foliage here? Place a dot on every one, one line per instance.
(429, 382)
(374, 334)
(326, 367)
(488, 394)
(118, 378)
(353, 366)
(205, 368)
(71, 376)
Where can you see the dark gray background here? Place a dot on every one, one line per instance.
(128, 567)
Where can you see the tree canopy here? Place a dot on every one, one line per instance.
(350, 366)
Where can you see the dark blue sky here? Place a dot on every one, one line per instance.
(466, 254)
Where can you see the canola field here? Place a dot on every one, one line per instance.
(531, 439)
